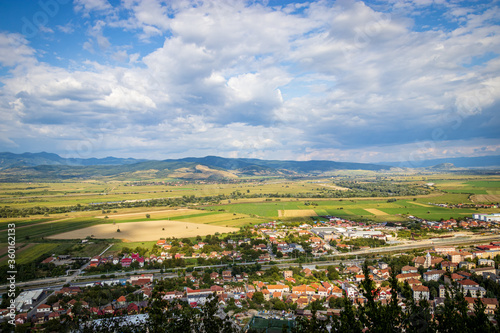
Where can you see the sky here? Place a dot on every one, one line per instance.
(374, 81)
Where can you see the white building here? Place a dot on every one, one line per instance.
(487, 217)
(26, 299)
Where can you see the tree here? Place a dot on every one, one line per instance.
(258, 297)
(418, 318)
(148, 216)
(333, 274)
(335, 302)
(52, 299)
(479, 321)
(314, 324)
(348, 321)
(279, 305)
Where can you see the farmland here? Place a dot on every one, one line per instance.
(375, 209)
(145, 231)
(232, 205)
(91, 192)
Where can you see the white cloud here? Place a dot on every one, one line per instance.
(315, 80)
(87, 6)
(15, 50)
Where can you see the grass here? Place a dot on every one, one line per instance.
(352, 209)
(88, 250)
(484, 184)
(22, 223)
(70, 193)
(157, 218)
(35, 252)
(451, 188)
(40, 230)
(468, 191)
(119, 246)
(457, 189)
(449, 198)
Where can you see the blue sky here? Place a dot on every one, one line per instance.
(400, 80)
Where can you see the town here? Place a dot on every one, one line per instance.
(275, 270)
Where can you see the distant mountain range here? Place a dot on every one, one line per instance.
(458, 162)
(31, 166)
(11, 160)
(48, 166)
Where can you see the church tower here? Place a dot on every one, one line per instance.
(427, 262)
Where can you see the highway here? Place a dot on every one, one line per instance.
(85, 279)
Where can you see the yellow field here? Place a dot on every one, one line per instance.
(145, 231)
(154, 214)
(419, 204)
(335, 187)
(375, 211)
(296, 213)
(486, 198)
(209, 219)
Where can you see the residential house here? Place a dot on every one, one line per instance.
(433, 275)
(126, 262)
(486, 262)
(444, 249)
(132, 309)
(352, 270)
(170, 295)
(227, 276)
(471, 288)
(267, 294)
(304, 290)
(420, 292)
(307, 272)
(449, 266)
(414, 282)
(277, 288)
(43, 308)
(454, 257)
(54, 315)
(322, 292)
(350, 290)
(481, 270)
(409, 269)
(403, 277)
(454, 277)
(327, 285)
(467, 265)
(95, 261)
(383, 265)
(491, 304)
(121, 301)
(198, 296)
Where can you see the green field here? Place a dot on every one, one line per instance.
(89, 249)
(45, 229)
(485, 184)
(31, 232)
(352, 209)
(35, 252)
(21, 195)
(117, 247)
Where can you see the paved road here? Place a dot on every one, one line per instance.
(417, 245)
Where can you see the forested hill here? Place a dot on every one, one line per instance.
(459, 162)
(47, 166)
(11, 160)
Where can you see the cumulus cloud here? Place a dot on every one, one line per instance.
(88, 6)
(328, 80)
(15, 50)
